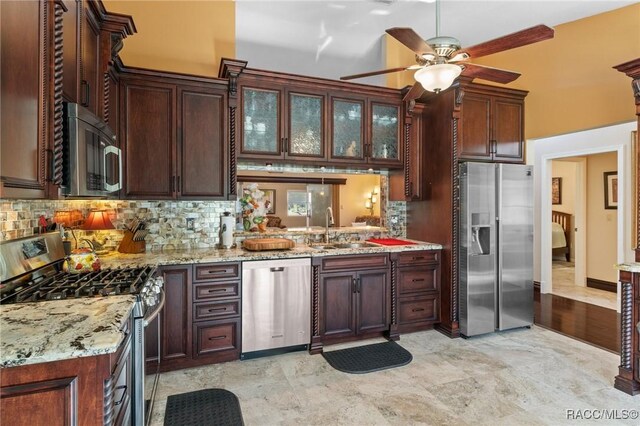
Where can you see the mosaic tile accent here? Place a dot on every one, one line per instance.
(167, 220)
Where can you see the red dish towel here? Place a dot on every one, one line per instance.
(390, 241)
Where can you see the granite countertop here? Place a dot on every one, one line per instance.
(628, 267)
(178, 257)
(55, 330)
(303, 230)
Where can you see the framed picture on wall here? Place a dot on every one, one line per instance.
(610, 190)
(556, 190)
(270, 194)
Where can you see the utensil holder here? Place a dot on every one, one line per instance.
(127, 245)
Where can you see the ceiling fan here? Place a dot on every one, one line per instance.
(441, 59)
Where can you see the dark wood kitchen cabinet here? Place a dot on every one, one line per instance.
(291, 118)
(418, 289)
(25, 114)
(200, 322)
(173, 132)
(282, 123)
(175, 333)
(492, 125)
(354, 298)
(92, 391)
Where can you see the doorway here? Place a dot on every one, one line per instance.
(584, 230)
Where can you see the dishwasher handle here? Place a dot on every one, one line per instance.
(280, 269)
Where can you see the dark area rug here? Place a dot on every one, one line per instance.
(203, 408)
(369, 358)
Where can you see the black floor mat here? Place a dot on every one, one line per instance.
(203, 408)
(365, 359)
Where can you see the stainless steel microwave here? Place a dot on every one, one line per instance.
(92, 163)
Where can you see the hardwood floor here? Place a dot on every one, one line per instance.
(590, 323)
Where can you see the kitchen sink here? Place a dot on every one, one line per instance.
(353, 245)
(323, 246)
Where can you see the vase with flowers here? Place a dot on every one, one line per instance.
(254, 208)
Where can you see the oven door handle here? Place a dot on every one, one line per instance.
(156, 311)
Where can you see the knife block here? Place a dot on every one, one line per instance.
(127, 245)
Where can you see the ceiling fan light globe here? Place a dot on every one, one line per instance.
(437, 77)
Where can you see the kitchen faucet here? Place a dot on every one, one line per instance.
(328, 222)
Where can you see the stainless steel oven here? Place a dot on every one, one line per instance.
(92, 161)
(146, 351)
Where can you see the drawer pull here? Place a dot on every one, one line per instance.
(217, 290)
(124, 393)
(216, 271)
(417, 310)
(218, 337)
(277, 335)
(280, 269)
(217, 309)
(418, 258)
(417, 280)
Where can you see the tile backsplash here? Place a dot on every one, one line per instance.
(166, 220)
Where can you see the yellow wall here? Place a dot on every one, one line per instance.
(570, 80)
(180, 36)
(602, 224)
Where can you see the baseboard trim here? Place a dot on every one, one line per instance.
(602, 285)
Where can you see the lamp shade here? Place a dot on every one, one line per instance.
(435, 78)
(97, 220)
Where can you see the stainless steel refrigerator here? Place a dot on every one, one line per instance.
(496, 247)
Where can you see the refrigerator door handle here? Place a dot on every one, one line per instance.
(499, 246)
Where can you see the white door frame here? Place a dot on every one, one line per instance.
(545, 206)
(580, 223)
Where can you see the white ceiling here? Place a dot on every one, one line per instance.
(334, 38)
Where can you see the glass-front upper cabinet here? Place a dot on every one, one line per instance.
(347, 140)
(305, 126)
(384, 132)
(261, 121)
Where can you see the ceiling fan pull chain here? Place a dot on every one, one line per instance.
(437, 18)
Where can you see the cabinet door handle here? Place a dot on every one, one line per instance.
(124, 394)
(417, 280)
(354, 286)
(285, 146)
(358, 285)
(417, 310)
(86, 92)
(218, 337)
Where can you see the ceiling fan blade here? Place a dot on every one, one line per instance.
(488, 73)
(411, 39)
(416, 91)
(369, 74)
(511, 41)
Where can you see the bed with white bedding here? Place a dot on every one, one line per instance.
(560, 228)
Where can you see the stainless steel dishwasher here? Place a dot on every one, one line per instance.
(276, 305)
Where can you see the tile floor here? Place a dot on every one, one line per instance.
(563, 275)
(522, 377)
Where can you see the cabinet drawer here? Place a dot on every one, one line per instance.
(213, 310)
(213, 337)
(422, 256)
(208, 291)
(337, 263)
(418, 309)
(421, 278)
(216, 271)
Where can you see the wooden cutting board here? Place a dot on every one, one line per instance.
(260, 244)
